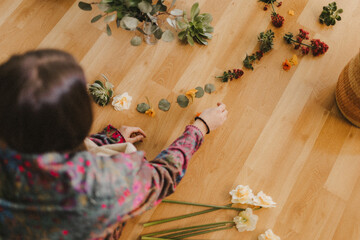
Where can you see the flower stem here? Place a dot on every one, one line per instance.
(204, 232)
(272, 5)
(148, 224)
(301, 43)
(203, 205)
(153, 238)
(186, 228)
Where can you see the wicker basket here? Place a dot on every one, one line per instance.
(348, 91)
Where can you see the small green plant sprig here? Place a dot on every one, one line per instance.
(100, 92)
(197, 28)
(266, 44)
(330, 14)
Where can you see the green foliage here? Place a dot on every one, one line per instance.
(267, 1)
(136, 41)
(248, 61)
(183, 101)
(200, 92)
(330, 14)
(288, 37)
(197, 28)
(142, 107)
(209, 88)
(164, 105)
(101, 93)
(266, 40)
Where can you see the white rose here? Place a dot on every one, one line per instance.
(246, 221)
(242, 194)
(122, 102)
(264, 200)
(269, 235)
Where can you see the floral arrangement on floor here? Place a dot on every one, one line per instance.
(245, 220)
(330, 14)
(230, 75)
(317, 47)
(266, 44)
(276, 19)
(130, 14)
(101, 92)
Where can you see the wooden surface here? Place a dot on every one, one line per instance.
(284, 134)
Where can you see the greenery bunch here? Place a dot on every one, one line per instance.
(330, 14)
(101, 92)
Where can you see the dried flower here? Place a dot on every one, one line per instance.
(294, 60)
(305, 50)
(279, 4)
(286, 65)
(242, 194)
(268, 235)
(291, 12)
(122, 102)
(330, 14)
(263, 200)
(246, 221)
(150, 112)
(277, 20)
(230, 75)
(191, 94)
(318, 47)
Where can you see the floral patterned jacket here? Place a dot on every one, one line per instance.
(85, 196)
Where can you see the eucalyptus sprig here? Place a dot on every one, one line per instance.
(101, 92)
(330, 14)
(197, 28)
(266, 44)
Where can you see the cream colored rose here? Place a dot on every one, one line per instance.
(242, 194)
(122, 102)
(263, 200)
(269, 235)
(246, 221)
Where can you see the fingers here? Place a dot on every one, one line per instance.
(138, 138)
(221, 107)
(137, 129)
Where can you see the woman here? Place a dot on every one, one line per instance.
(49, 187)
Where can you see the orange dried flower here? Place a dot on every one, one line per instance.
(191, 94)
(286, 65)
(150, 112)
(198, 114)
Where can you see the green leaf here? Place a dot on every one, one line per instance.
(158, 33)
(100, 83)
(96, 18)
(183, 101)
(167, 36)
(200, 92)
(172, 3)
(110, 18)
(182, 35)
(207, 18)
(164, 105)
(209, 88)
(108, 30)
(142, 107)
(340, 10)
(145, 7)
(129, 23)
(136, 41)
(195, 10)
(85, 6)
(103, 6)
(177, 12)
(182, 25)
(190, 40)
(338, 18)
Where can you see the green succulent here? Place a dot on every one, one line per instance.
(197, 29)
(101, 93)
(330, 14)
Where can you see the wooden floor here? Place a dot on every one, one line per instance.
(284, 134)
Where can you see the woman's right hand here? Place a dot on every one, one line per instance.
(214, 117)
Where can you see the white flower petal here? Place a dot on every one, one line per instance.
(242, 194)
(246, 221)
(268, 235)
(122, 102)
(263, 200)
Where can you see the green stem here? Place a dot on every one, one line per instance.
(154, 238)
(272, 5)
(185, 228)
(301, 43)
(179, 234)
(148, 224)
(203, 205)
(203, 232)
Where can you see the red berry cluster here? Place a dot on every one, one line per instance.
(279, 4)
(277, 20)
(318, 47)
(303, 35)
(305, 50)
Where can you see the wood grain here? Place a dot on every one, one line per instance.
(284, 134)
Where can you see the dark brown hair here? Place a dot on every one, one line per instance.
(44, 105)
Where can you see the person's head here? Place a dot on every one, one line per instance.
(44, 104)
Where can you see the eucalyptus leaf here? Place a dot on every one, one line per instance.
(103, 6)
(183, 101)
(145, 6)
(142, 107)
(108, 30)
(110, 18)
(158, 33)
(85, 6)
(171, 22)
(172, 3)
(167, 36)
(200, 92)
(96, 18)
(177, 12)
(129, 22)
(164, 105)
(136, 41)
(209, 88)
